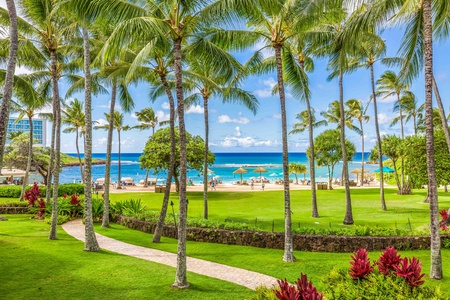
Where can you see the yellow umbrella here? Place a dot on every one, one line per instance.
(357, 172)
(260, 170)
(241, 170)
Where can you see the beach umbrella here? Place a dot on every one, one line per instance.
(273, 175)
(241, 171)
(260, 170)
(357, 172)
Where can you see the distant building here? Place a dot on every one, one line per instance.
(39, 129)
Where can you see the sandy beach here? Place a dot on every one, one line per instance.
(228, 187)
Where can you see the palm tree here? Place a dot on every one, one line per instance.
(333, 115)
(73, 116)
(357, 111)
(9, 80)
(207, 84)
(26, 105)
(307, 121)
(411, 108)
(297, 168)
(390, 84)
(147, 119)
(119, 127)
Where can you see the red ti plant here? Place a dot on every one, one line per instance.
(388, 260)
(65, 196)
(41, 206)
(444, 223)
(286, 291)
(32, 194)
(361, 267)
(306, 289)
(410, 270)
(75, 200)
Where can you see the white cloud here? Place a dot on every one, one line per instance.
(165, 105)
(196, 109)
(162, 116)
(267, 52)
(99, 143)
(276, 116)
(133, 115)
(237, 131)
(246, 142)
(100, 122)
(266, 91)
(383, 118)
(227, 119)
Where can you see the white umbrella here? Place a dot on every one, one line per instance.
(273, 175)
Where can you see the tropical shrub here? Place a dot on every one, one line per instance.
(445, 220)
(361, 267)
(13, 191)
(396, 278)
(97, 209)
(263, 293)
(302, 290)
(36, 204)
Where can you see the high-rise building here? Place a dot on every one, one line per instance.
(39, 129)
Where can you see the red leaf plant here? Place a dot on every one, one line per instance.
(286, 291)
(445, 219)
(388, 260)
(75, 200)
(410, 270)
(306, 289)
(41, 206)
(361, 267)
(65, 196)
(32, 194)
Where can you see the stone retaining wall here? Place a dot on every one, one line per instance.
(302, 242)
(14, 210)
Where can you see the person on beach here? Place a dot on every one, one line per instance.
(252, 184)
(262, 186)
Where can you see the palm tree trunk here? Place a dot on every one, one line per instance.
(9, 79)
(403, 138)
(348, 220)
(30, 154)
(146, 178)
(288, 255)
(79, 156)
(312, 164)
(436, 259)
(51, 162)
(119, 183)
(165, 204)
(91, 243)
(205, 161)
(442, 113)
(377, 129)
(106, 201)
(180, 278)
(362, 149)
(57, 124)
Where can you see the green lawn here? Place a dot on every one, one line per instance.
(263, 208)
(34, 267)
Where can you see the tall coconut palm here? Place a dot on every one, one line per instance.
(411, 108)
(9, 80)
(357, 111)
(147, 119)
(388, 85)
(307, 121)
(207, 85)
(73, 116)
(119, 127)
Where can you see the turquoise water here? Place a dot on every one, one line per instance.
(223, 167)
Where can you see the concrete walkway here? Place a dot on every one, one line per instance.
(246, 278)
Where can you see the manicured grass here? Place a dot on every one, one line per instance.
(34, 267)
(263, 208)
(269, 261)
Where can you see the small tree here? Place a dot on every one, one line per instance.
(157, 152)
(328, 151)
(297, 168)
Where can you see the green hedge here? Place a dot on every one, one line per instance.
(13, 191)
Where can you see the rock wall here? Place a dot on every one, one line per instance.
(302, 242)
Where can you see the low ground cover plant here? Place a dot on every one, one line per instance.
(13, 191)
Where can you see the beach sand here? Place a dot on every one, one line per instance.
(228, 187)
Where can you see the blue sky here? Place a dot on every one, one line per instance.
(235, 129)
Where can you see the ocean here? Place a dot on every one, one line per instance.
(223, 167)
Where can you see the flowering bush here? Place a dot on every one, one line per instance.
(34, 202)
(388, 260)
(411, 271)
(361, 267)
(302, 290)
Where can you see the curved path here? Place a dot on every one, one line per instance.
(246, 278)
